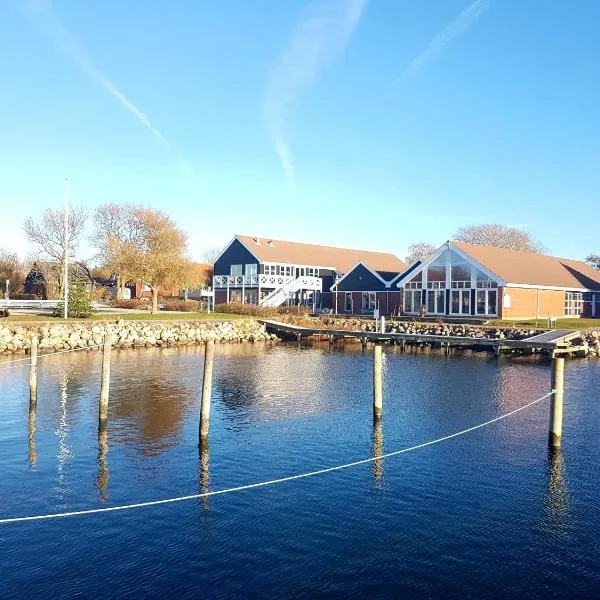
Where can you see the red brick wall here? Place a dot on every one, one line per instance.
(387, 302)
(220, 296)
(524, 303)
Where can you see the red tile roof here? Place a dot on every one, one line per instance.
(533, 269)
(342, 259)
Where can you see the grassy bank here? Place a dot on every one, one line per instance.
(161, 316)
(560, 323)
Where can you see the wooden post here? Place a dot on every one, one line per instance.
(33, 374)
(105, 384)
(209, 353)
(556, 401)
(377, 382)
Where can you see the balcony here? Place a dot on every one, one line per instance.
(265, 281)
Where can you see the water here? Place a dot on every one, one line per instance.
(489, 514)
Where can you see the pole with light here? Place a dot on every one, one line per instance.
(66, 261)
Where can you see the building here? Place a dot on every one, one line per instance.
(363, 290)
(254, 270)
(469, 280)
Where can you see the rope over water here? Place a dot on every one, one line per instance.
(250, 486)
(25, 361)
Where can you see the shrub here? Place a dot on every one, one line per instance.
(135, 303)
(21, 296)
(79, 306)
(181, 305)
(253, 310)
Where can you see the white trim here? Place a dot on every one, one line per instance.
(235, 237)
(548, 287)
(452, 247)
(417, 262)
(360, 262)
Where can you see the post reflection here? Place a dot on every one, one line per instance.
(204, 470)
(557, 492)
(377, 449)
(31, 449)
(102, 476)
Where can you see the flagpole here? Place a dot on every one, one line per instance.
(66, 265)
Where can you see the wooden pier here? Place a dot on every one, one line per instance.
(556, 342)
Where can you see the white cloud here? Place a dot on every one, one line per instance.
(451, 32)
(322, 33)
(41, 14)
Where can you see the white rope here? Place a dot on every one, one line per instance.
(271, 481)
(40, 356)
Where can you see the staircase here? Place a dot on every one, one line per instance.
(279, 295)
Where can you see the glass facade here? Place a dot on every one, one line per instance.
(450, 276)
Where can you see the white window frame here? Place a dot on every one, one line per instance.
(486, 291)
(434, 292)
(348, 296)
(573, 304)
(413, 292)
(236, 270)
(461, 294)
(251, 269)
(371, 298)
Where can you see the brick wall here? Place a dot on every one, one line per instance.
(387, 302)
(524, 303)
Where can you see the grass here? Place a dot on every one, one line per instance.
(560, 323)
(161, 316)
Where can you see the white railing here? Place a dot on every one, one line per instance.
(30, 303)
(232, 281)
(278, 296)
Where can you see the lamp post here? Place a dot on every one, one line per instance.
(66, 261)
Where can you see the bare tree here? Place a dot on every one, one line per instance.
(117, 235)
(500, 236)
(159, 259)
(419, 251)
(11, 269)
(47, 236)
(210, 255)
(594, 260)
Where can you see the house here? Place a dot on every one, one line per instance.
(364, 290)
(470, 280)
(268, 272)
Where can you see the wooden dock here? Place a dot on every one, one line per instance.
(555, 342)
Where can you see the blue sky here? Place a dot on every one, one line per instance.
(367, 124)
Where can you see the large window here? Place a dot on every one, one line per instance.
(486, 302)
(412, 301)
(573, 304)
(348, 302)
(436, 302)
(235, 270)
(460, 302)
(251, 269)
(369, 301)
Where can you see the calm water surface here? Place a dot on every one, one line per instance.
(489, 514)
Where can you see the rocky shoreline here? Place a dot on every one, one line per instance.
(589, 340)
(16, 338)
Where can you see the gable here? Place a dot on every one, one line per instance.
(235, 254)
(360, 279)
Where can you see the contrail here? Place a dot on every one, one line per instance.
(460, 25)
(322, 33)
(41, 13)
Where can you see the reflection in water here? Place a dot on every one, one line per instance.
(557, 493)
(102, 477)
(62, 431)
(31, 453)
(204, 471)
(377, 449)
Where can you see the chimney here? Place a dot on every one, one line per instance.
(270, 243)
(257, 240)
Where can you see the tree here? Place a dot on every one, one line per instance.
(210, 255)
(117, 236)
(419, 251)
(159, 258)
(47, 235)
(79, 305)
(594, 260)
(11, 270)
(500, 236)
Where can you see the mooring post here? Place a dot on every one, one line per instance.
(33, 374)
(105, 384)
(556, 401)
(209, 353)
(377, 381)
